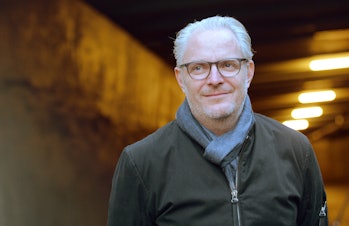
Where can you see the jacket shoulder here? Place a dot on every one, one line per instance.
(273, 127)
(159, 141)
(282, 139)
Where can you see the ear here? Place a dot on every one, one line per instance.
(179, 78)
(250, 72)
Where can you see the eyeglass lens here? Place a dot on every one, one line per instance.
(200, 70)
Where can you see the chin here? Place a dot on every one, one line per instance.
(220, 112)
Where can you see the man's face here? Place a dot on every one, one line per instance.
(215, 97)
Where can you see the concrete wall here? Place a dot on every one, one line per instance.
(74, 90)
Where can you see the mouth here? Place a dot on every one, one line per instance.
(216, 94)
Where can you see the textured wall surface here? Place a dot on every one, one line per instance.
(74, 90)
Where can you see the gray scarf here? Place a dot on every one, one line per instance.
(220, 150)
(216, 147)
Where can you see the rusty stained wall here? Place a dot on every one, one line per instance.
(74, 90)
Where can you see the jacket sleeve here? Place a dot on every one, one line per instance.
(127, 203)
(313, 210)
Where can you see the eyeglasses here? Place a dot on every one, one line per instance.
(200, 70)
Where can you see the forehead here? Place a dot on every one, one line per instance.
(212, 44)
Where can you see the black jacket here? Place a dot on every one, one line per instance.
(165, 180)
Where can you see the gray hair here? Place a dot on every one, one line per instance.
(215, 22)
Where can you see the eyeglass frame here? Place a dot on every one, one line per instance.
(240, 60)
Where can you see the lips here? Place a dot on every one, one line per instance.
(216, 94)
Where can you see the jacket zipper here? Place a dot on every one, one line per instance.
(234, 190)
(235, 202)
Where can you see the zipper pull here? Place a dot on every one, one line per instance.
(323, 216)
(234, 196)
(323, 210)
(236, 214)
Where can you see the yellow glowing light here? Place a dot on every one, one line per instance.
(317, 96)
(308, 112)
(299, 124)
(329, 63)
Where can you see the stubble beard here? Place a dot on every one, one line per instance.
(217, 114)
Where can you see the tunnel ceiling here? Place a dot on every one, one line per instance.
(285, 34)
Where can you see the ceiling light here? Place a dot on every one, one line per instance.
(308, 112)
(317, 96)
(299, 124)
(329, 63)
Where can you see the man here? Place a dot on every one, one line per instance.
(218, 163)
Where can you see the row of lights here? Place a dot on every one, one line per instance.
(300, 115)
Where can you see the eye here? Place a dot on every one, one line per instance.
(229, 65)
(197, 67)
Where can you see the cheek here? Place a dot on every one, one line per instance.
(244, 83)
(191, 87)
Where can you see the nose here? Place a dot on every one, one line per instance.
(215, 77)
